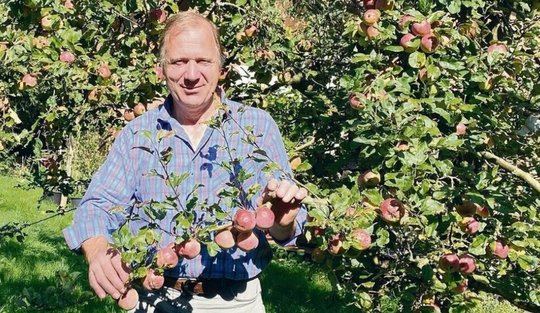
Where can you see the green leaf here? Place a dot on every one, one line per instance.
(478, 245)
(417, 59)
(527, 262)
(383, 237)
(481, 279)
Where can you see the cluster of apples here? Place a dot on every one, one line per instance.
(139, 109)
(467, 210)
(368, 26)
(417, 30)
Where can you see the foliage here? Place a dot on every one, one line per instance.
(424, 121)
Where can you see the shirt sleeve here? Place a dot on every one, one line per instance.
(272, 144)
(108, 197)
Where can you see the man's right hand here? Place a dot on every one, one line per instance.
(106, 272)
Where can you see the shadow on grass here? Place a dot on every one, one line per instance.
(289, 286)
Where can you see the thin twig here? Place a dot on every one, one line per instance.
(528, 178)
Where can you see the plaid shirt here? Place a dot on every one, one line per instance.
(120, 182)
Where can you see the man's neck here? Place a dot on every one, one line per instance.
(187, 116)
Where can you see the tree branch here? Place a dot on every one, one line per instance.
(512, 169)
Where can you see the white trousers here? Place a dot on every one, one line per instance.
(169, 300)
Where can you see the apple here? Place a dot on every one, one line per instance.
(406, 41)
(449, 262)
(423, 74)
(67, 57)
(166, 257)
(139, 109)
(429, 43)
(152, 280)
(356, 101)
(264, 217)
(250, 30)
(499, 250)
(402, 146)
(404, 21)
(104, 71)
(295, 162)
(483, 211)
(244, 220)
(361, 239)
(240, 36)
(318, 255)
(461, 129)
(467, 208)
(369, 179)
(47, 22)
(370, 4)
(68, 4)
(129, 115)
(372, 32)
(247, 241)
(40, 42)
(29, 80)
(498, 48)
(319, 231)
(351, 212)
(158, 15)
(225, 239)
(335, 244)
(467, 264)
(384, 5)
(188, 249)
(392, 210)
(129, 299)
(469, 225)
(421, 28)
(371, 16)
(461, 287)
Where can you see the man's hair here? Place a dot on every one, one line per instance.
(188, 19)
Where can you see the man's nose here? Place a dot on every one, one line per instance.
(192, 71)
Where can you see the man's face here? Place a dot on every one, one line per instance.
(192, 66)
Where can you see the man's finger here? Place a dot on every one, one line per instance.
(114, 279)
(121, 269)
(283, 188)
(272, 185)
(103, 281)
(301, 194)
(95, 286)
(290, 194)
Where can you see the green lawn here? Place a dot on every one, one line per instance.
(34, 274)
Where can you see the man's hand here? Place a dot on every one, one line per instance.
(106, 272)
(285, 198)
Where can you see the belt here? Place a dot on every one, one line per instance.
(206, 287)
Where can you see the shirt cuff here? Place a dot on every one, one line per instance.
(76, 235)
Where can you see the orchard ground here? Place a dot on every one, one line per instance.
(42, 274)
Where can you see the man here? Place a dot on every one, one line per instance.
(191, 62)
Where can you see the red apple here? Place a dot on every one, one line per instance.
(483, 211)
(139, 109)
(499, 48)
(250, 30)
(225, 239)
(371, 16)
(158, 15)
(47, 22)
(355, 101)
(264, 217)
(469, 225)
(384, 5)
(247, 241)
(461, 287)
(461, 129)
(372, 32)
(421, 28)
(129, 299)
(188, 249)
(104, 71)
(361, 239)
(294, 162)
(369, 179)
(166, 257)
(429, 43)
(152, 280)
(406, 42)
(67, 57)
(449, 262)
(29, 80)
(68, 4)
(244, 220)
(467, 264)
(335, 245)
(369, 4)
(392, 210)
(499, 249)
(129, 115)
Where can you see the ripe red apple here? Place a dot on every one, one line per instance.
(499, 48)
(371, 16)
(264, 217)
(335, 245)
(369, 4)
(166, 257)
(369, 179)
(139, 109)
(449, 262)
(361, 239)
(225, 239)
(406, 42)
(188, 249)
(423, 74)
(294, 162)
(250, 30)
(129, 115)
(469, 225)
(244, 220)
(467, 264)
(402, 145)
(372, 32)
(483, 211)
(384, 5)
(355, 101)
(68, 4)
(318, 231)
(499, 249)
(351, 212)
(104, 71)
(461, 129)
(429, 43)
(404, 21)
(461, 287)
(47, 22)
(129, 299)
(40, 42)
(247, 241)
(152, 280)
(67, 57)
(240, 36)
(421, 28)
(318, 255)
(29, 80)
(158, 15)
(392, 210)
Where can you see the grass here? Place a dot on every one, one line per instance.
(43, 274)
